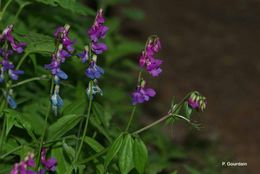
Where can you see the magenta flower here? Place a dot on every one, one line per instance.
(50, 163)
(197, 101)
(96, 32)
(7, 36)
(62, 34)
(23, 166)
(194, 104)
(147, 59)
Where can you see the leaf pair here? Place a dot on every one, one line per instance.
(131, 153)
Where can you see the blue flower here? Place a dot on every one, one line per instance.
(94, 71)
(11, 102)
(56, 100)
(94, 91)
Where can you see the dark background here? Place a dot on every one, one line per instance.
(213, 47)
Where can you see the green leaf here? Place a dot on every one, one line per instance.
(62, 126)
(187, 110)
(58, 154)
(140, 155)
(113, 150)
(71, 5)
(10, 122)
(35, 121)
(95, 145)
(77, 107)
(175, 172)
(36, 42)
(126, 159)
(69, 150)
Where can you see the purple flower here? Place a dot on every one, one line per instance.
(7, 35)
(62, 55)
(94, 71)
(18, 47)
(142, 95)
(49, 164)
(62, 34)
(148, 60)
(98, 48)
(98, 31)
(22, 167)
(193, 103)
(84, 55)
(63, 52)
(14, 74)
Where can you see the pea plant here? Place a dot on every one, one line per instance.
(54, 122)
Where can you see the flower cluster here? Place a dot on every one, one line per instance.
(197, 101)
(64, 51)
(96, 32)
(49, 164)
(7, 69)
(147, 58)
(89, 55)
(26, 166)
(152, 65)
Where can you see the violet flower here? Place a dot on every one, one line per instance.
(96, 32)
(147, 59)
(84, 55)
(62, 53)
(142, 94)
(50, 163)
(7, 36)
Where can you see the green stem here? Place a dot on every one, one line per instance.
(4, 9)
(94, 156)
(86, 124)
(152, 124)
(11, 151)
(45, 126)
(130, 119)
(3, 134)
(170, 114)
(20, 10)
(22, 60)
(29, 80)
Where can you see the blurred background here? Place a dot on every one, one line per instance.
(210, 46)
